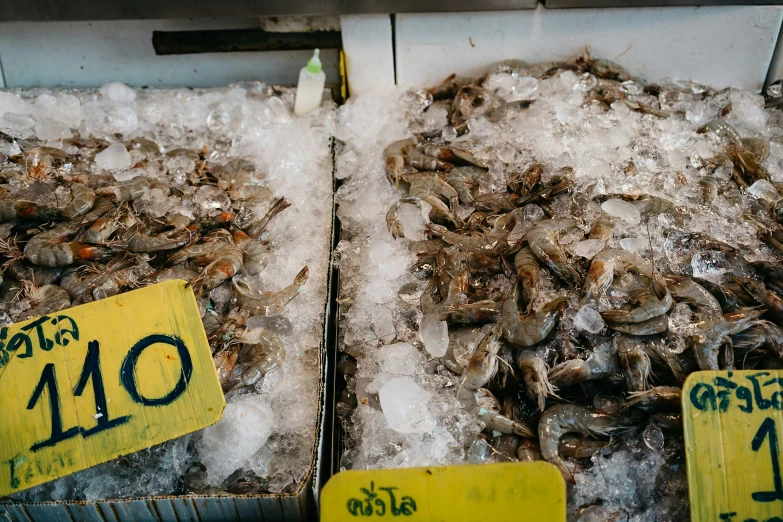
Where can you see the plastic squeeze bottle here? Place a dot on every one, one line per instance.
(310, 89)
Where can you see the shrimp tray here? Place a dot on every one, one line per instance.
(112, 189)
(533, 261)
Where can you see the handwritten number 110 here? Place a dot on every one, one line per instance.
(91, 372)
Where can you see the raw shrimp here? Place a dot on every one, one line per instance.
(649, 306)
(420, 161)
(577, 447)
(763, 334)
(574, 371)
(610, 261)
(648, 205)
(270, 303)
(656, 325)
(526, 266)
(257, 228)
(262, 352)
(602, 229)
(51, 249)
(479, 312)
(728, 300)
(21, 209)
(771, 300)
(686, 290)
(226, 263)
(493, 243)
(395, 161)
(484, 406)
(140, 243)
(125, 191)
(523, 183)
(44, 300)
(570, 418)
(466, 340)
(634, 361)
(41, 275)
(543, 242)
(429, 187)
(534, 373)
(255, 254)
(80, 282)
(82, 200)
(392, 222)
(104, 225)
(465, 180)
(483, 363)
(716, 331)
(532, 328)
(666, 398)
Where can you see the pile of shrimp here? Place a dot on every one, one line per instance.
(541, 387)
(71, 236)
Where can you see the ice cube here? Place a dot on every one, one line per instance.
(479, 452)
(465, 345)
(113, 157)
(622, 209)
(118, 94)
(586, 82)
(242, 430)
(18, 123)
(525, 87)
(532, 213)
(277, 111)
(631, 88)
(413, 219)
(49, 130)
(653, 437)
(724, 172)
(404, 404)
(122, 120)
(435, 335)
(748, 108)
(379, 252)
(218, 121)
(709, 264)
(763, 189)
(589, 320)
(209, 197)
(589, 248)
(635, 244)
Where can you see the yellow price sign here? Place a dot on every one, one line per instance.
(733, 423)
(524, 491)
(85, 385)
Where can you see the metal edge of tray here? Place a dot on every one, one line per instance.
(325, 466)
(576, 4)
(93, 10)
(291, 507)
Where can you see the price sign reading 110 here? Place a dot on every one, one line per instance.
(88, 384)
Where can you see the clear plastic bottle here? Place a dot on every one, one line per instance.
(310, 89)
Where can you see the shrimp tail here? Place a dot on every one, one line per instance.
(659, 286)
(87, 252)
(278, 206)
(301, 277)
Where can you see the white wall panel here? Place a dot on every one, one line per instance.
(367, 42)
(720, 46)
(83, 54)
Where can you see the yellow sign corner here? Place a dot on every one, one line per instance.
(528, 491)
(733, 422)
(88, 384)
